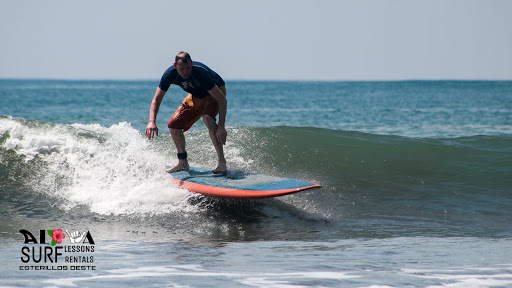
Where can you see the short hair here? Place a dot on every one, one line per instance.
(183, 56)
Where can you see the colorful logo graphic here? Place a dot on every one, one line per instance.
(56, 235)
(38, 254)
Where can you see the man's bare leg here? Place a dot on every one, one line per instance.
(212, 130)
(179, 140)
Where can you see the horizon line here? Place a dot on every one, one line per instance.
(262, 79)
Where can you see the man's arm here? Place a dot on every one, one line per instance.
(223, 106)
(151, 129)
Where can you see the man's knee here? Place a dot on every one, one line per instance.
(209, 121)
(175, 131)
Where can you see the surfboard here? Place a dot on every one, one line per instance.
(238, 184)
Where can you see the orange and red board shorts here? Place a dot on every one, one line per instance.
(192, 108)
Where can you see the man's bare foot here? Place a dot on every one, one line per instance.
(181, 166)
(221, 168)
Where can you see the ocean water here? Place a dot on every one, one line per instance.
(416, 190)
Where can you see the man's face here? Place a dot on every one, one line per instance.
(184, 69)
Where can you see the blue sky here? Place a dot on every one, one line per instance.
(260, 40)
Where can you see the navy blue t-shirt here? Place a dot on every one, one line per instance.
(200, 81)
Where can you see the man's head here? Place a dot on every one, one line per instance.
(183, 64)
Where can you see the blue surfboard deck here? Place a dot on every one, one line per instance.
(238, 184)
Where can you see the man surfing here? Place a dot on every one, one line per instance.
(206, 99)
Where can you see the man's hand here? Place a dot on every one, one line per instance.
(151, 129)
(75, 237)
(222, 134)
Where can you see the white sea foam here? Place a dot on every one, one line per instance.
(111, 170)
(259, 279)
(489, 277)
